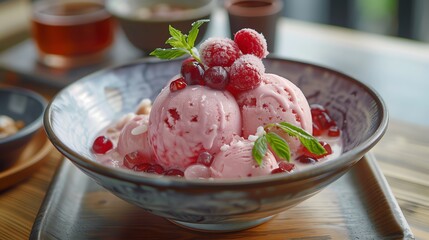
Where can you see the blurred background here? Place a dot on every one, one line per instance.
(400, 18)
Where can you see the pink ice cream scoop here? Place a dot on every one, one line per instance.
(134, 137)
(237, 162)
(189, 121)
(275, 100)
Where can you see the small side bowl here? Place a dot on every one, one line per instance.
(148, 33)
(27, 106)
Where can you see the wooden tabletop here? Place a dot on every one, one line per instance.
(398, 69)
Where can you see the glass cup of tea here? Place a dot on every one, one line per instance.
(71, 33)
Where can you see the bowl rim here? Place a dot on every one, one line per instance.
(36, 124)
(188, 14)
(343, 161)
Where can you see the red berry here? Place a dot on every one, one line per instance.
(277, 170)
(322, 122)
(334, 131)
(142, 167)
(192, 71)
(283, 167)
(205, 159)
(306, 159)
(174, 173)
(102, 145)
(286, 166)
(251, 42)
(133, 159)
(178, 84)
(219, 52)
(325, 145)
(316, 130)
(246, 73)
(316, 109)
(216, 77)
(156, 169)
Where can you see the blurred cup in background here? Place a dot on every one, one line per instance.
(261, 15)
(71, 33)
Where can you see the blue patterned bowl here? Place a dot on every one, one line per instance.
(79, 112)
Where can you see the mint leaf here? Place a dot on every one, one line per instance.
(305, 138)
(181, 43)
(279, 146)
(168, 54)
(260, 149)
(193, 33)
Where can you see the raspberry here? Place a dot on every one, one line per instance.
(246, 73)
(251, 42)
(219, 52)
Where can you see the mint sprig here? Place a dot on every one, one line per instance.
(279, 145)
(181, 43)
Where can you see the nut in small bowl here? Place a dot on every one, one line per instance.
(21, 114)
(145, 23)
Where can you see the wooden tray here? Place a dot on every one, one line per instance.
(35, 153)
(359, 205)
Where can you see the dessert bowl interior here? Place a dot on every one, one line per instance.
(79, 112)
(20, 105)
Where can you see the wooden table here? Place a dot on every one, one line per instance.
(398, 69)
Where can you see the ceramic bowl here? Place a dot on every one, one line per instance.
(145, 23)
(79, 112)
(24, 105)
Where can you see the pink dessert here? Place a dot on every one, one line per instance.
(221, 117)
(185, 123)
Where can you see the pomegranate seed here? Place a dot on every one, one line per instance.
(316, 130)
(133, 159)
(178, 84)
(246, 73)
(216, 77)
(174, 173)
(102, 145)
(142, 167)
(251, 42)
(219, 52)
(192, 71)
(317, 109)
(277, 170)
(323, 121)
(334, 131)
(286, 166)
(306, 159)
(205, 159)
(325, 145)
(156, 169)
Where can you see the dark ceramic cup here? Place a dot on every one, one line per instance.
(261, 15)
(145, 23)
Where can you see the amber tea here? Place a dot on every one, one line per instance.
(66, 30)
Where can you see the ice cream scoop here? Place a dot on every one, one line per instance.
(134, 137)
(275, 100)
(236, 161)
(184, 123)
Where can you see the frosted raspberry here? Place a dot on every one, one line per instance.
(246, 73)
(219, 52)
(251, 42)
